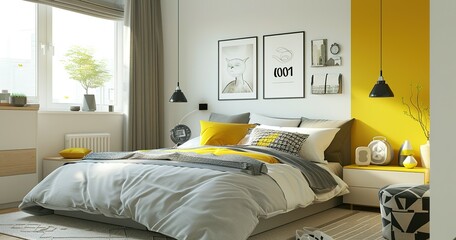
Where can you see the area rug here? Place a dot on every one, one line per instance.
(359, 225)
(26, 226)
(337, 223)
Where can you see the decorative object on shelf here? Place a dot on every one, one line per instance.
(75, 108)
(381, 89)
(283, 65)
(335, 48)
(405, 150)
(318, 48)
(4, 97)
(18, 99)
(425, 151)
(237, 69)
(410, 162)
(82, 66)
(334, 61)
(329, 83)
(363, 156)
(420, 113)
(178, 95)
(381, 151)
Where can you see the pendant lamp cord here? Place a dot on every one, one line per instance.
(178, 58)
(381, 37)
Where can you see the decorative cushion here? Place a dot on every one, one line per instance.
(271, 121)
(238, 118)
(220, 134)
(405, 211)
(315, 145)
(73, 153)
(340, 148)
(284, 141)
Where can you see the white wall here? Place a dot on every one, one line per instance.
(52, 127)
(443, 114)
(204, 22)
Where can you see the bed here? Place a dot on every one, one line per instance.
(233, 171)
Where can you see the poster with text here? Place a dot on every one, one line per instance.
(283, 65)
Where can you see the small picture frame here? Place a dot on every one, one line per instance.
(237, 69)
(318, 51)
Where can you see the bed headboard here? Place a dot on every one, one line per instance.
(340, 148)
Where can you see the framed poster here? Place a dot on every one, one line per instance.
(237, 68)
(283, 65)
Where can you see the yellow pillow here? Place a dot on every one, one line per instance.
(220, 134)
(74, 152)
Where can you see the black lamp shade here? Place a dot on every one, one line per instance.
(381, 89)
(178, 96)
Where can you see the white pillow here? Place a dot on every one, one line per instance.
(271, 121)
(194, 142)
(314, 147)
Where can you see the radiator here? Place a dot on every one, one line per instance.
(97, 142)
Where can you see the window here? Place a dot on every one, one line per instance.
(17, 47)
(32, 53)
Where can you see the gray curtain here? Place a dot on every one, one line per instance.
(146, 71)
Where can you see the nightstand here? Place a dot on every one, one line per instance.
(365, 181)
(52, 163)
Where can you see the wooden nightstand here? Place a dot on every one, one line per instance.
(365, 181)
(52, 163)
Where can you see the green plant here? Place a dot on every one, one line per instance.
(81, 65)
(18, 95)
(417, 111)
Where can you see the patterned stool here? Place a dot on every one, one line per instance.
(405, 211)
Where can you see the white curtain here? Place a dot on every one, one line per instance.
(108, 9)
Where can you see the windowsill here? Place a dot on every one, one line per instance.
(28, 107)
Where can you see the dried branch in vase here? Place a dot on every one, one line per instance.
(417, 111)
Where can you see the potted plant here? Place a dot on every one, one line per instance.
(421, 114)
(18, 99)
(90, 73)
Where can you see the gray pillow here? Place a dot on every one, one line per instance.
(273, 121)
(340, 148)
(238, 118)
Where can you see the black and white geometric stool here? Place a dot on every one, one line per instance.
(405, 211)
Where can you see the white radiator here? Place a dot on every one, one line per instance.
(97, 142)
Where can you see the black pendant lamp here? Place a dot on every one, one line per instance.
(178, 95)
(381, 88)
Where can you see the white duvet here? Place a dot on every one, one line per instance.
(181, 202)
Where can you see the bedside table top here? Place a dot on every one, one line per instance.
(388, 168)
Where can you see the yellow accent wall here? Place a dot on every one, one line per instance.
(405, 61)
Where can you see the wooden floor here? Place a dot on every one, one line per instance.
(6, 237)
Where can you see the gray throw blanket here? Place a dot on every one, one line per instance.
(318, 178)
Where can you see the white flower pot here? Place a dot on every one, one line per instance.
(425, 150)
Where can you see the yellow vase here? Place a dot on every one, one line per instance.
(410, 162)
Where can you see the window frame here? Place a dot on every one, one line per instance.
(44, 64)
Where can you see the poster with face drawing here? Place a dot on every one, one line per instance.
(237, 68)
(283, 69)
